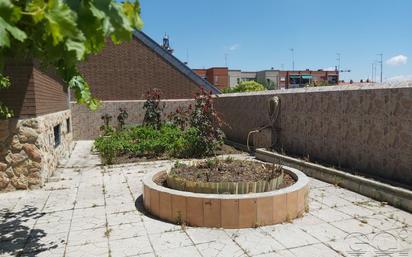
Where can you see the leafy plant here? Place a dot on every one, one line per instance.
(245, 86)
(153, 108)
(60, 34)
(106, 128)
(206, 124)
(122, 117)
(181, 117)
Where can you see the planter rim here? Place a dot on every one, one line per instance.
(301, 181)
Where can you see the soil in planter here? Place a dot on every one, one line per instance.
(230, 171)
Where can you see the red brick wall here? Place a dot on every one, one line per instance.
(33, 92)
(218, 77)
(127, 71)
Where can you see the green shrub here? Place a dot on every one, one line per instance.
(194, 133)
(245, 86)
(206, 123)
(153, 108)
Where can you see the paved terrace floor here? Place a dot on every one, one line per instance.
(97, 211)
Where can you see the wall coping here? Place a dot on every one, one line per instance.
(140, 101)
(363, 86)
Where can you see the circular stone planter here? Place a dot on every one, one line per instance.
(224, 210)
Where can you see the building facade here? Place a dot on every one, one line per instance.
(40, 134)
(217, 76)
(222, 77)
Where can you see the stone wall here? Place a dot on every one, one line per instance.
(86, 123)
(28, 155)
(364, 128)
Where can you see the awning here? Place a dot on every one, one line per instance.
(306, 76)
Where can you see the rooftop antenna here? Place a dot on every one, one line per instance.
(338, 59)
(226, 55)
(381, 63)
(293, 58)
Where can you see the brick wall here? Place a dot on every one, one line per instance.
(86, 123)
(363, 128)
(127, 71)
(34, 91)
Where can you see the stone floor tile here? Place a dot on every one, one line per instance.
(307, 220)
(154, 226)
(82, 156)
(315, 205)
(87, 236)
(52, 252)
(214, 242)
(40, 241)
(382, 222)
(88, 218)
(356, 211)
(255, 241)
(318, 250)
(352, 246)
(12, 247)
(123, 218)
(205, 235)
(121, 207)
(281, 253)
(220, 249)
(130, 247)
(332, 201)
(352, 226)
(324, 232)
(282, 233)
(88, 250)
(56, 217)
(53, 227)
(316, 183)
(330, 215)
(179, 252)
(401, 216)
(127, 230)
(169, 240)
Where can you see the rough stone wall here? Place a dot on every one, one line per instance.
(27, 153)
(86, 124)
(364, 128)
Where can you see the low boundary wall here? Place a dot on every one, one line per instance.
(364, 129)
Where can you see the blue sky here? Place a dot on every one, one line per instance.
(259, 34)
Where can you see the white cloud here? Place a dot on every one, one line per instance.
(400, 78)
(397, 60)
(329, 69)
(234, 47)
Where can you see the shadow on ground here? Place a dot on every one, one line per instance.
(17, 234)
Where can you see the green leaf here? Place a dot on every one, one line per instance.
(61, 21)
(37, 9)
(4, 81)
(77, 47)
(5, 112)
(6, 29)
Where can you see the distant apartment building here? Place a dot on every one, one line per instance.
(217, 76)
(284, 79)
(222, 77)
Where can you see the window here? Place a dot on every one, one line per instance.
(57, 135)
(68, 128)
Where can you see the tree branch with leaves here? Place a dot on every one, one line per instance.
(60, 34)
